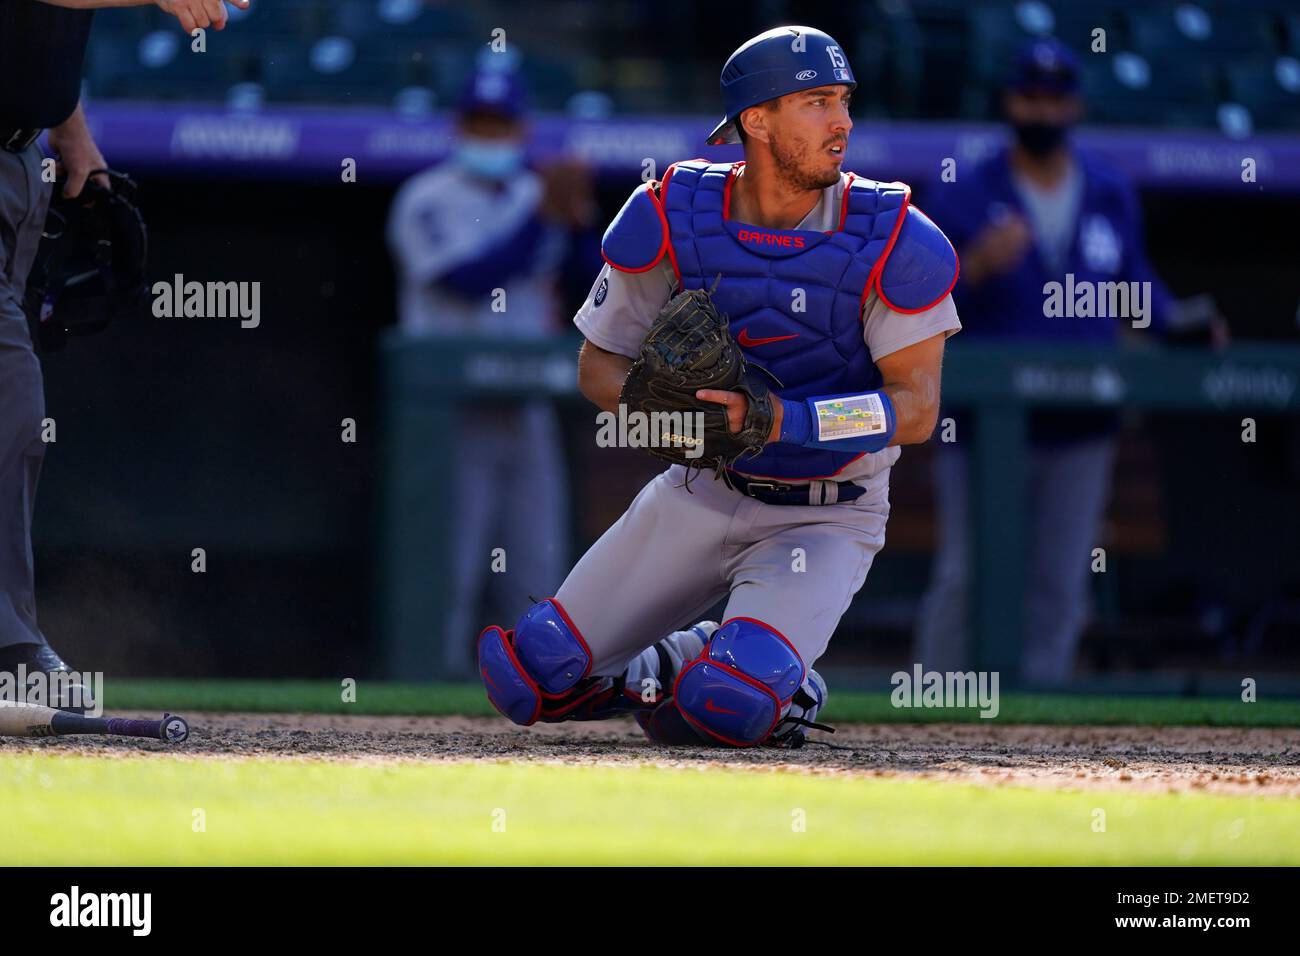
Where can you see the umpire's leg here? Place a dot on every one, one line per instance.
(23, 202)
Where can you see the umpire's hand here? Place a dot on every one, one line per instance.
(78, 154)
(200, 13)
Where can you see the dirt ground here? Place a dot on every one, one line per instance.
(1236, 760)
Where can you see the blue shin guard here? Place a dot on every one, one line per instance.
(737, 690)
(537, 671)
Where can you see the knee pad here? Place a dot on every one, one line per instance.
(735, 691)
(535, 665)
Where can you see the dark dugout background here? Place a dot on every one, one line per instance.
(176, 434)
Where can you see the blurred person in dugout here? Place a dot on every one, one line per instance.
(484, 247)
(1031, 214)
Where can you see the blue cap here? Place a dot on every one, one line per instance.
(1045, 64)
(782, 60)
(499, 91)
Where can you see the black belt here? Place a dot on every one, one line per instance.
(15, 139)
(780, 493)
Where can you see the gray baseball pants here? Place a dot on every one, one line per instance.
(675, 553)
(24, 199)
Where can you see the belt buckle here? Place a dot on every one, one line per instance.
(20, 139)
(765, 486)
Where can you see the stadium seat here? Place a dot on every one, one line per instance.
(921, 59)
(998, 28)
(1126, 88)
(399, 19)
(130, 22)
(332, 68)
(1292, 33)
(930, 55)
(1189, 29)
(1270, 89)
(1075, 23)
(159, 64)
(286, 19)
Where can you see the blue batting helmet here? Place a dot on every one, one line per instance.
(782, 60)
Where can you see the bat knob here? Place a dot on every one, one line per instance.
(174, 729)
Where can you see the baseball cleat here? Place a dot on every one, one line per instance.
(801, 717)
(41, 658)
(666, 726)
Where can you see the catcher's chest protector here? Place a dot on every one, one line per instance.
(794, 297)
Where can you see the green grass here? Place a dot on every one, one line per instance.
(142, 812)
(375, 697)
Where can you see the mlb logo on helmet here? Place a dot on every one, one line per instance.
(773, 64)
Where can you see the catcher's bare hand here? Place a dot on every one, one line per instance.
(737, 406)
(688, 352)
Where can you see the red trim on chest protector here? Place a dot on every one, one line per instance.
(665, 244)
(874, 278)
(925, 308)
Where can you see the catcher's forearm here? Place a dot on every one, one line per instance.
(916, 403)
(601, 375)
(899, 414)
(863, 421)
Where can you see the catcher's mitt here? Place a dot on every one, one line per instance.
(689, 347)
(90, 267)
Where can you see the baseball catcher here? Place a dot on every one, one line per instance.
(799, 313)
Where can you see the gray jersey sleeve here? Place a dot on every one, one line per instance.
(886, 331)
(622, 305)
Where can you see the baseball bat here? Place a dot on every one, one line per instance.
(31, 720)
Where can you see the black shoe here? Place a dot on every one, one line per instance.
(43, 658)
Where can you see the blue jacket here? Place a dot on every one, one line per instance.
(1107, 246)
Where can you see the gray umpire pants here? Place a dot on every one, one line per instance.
(1067, 490)
(23, 202)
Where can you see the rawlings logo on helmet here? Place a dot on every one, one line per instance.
(806, 75)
